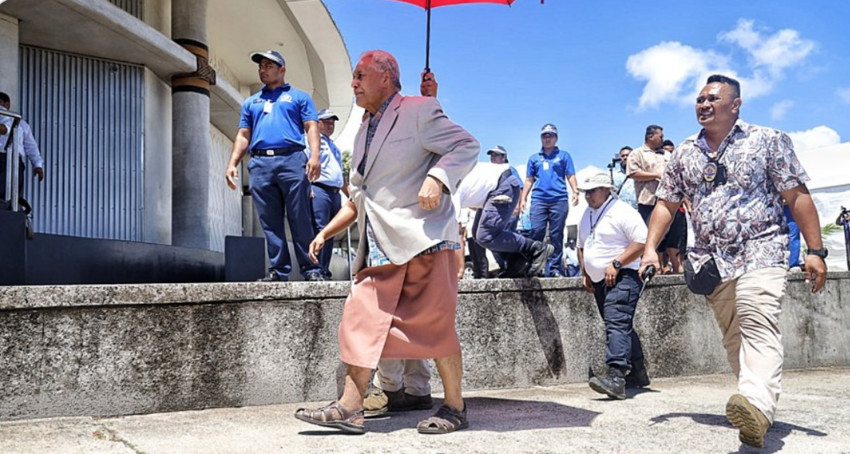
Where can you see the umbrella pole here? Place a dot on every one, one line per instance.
(428, 37)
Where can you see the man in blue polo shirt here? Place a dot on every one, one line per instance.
(547, 174)
(272, 128)
(325, 196)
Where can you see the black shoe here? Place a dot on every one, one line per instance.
(637, 378)
(613, 385)
(398, 401)
(272, 277)
(540, 253)
(314, 277)
(517, 267)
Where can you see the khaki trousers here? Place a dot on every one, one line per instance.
(747, 312)
(414, 375)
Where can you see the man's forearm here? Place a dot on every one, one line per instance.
(805, 214)
(662, 217)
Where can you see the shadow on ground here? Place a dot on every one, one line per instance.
(772, 440)
(488, 414)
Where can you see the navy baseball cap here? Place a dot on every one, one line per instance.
(272, 55)
(549, 128)
(325, 114)
(498, 149)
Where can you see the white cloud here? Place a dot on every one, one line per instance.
(844, 94)
(819, 136)
(671, 71)
(675, 72)
(778, 111)
(777, 52)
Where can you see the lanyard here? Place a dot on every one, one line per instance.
(601, 212)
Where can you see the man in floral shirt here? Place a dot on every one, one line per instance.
(736, 175)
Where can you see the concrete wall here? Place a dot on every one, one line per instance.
(108, 350)
(10, 56)
(156, 216)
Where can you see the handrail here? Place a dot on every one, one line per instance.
(11, 194)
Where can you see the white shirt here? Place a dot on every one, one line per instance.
(606, 232)
(29, 144)
(473, 189)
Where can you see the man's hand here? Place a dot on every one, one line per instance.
(231, 175)
(611, 275)
(430, 194)
(815, 270)
(575, 198)
(650, 257)
(39, 172)
(314, 169)
(588, 285)
(316, 246)
(428, 86)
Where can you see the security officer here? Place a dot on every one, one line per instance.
(325, 197)
(547, 174)
(272, 128)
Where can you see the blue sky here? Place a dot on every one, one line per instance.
(604, 70)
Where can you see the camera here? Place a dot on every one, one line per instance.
(614, 162)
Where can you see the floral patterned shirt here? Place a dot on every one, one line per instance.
(739, 223)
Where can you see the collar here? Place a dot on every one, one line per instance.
(383, 107)
(555, 151)
(740, 127)
(283, 87)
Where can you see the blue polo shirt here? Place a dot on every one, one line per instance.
(550, 173)
(331, 160)
(282, 124)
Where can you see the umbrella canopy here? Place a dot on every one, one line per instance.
(428, 4)
(436, 3)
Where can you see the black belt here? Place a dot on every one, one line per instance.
(276, 151)
(326, 187)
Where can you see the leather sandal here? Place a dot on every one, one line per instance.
(336, 416)
(446, 420)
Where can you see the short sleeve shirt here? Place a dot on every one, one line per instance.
(606, 232)
(646, 160)
(626, 187)
(550, 174)
(276, 117)
(739, 223)
(331, 161)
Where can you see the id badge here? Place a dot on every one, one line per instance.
(267, 107)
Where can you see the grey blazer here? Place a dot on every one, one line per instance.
(414, 139)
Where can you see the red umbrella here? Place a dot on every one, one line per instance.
(428, 4)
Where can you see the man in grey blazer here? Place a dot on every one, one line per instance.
(408, 158)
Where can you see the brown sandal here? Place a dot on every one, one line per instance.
(336, 416)
(446, 420)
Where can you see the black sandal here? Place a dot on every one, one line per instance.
(336, 416)
(446, 420)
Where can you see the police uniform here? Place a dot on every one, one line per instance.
(326, 199)
(279, 184)
(549, 201)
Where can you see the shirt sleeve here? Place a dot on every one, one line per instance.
(784, 168)
(570, 170)
(531, 168)
(30, 146)
(632, 225)
(634, 162)
(669, 188)
(308, 109)
(245, 115)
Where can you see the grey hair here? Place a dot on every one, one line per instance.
(381, 61)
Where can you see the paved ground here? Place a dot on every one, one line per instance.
(681, 415)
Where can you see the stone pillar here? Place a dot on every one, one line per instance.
(191, 211)
(11, 60)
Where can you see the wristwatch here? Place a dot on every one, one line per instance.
(822, 253)
(617, 264)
